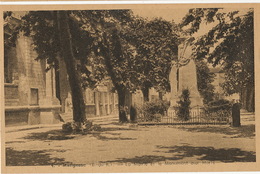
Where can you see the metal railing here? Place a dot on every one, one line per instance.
(197, 116)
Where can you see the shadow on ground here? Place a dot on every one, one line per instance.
(245, 131)
(108, 129)
(31, 158)
(146, 159)
(105, 134)
(211, 154)
(10, 142)
(200, 153)
(112, 133)
(49, 135)
(115, 136)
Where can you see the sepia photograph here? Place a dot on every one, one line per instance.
(164, 86)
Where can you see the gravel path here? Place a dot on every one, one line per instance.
(128, 143)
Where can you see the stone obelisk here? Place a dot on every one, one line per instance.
(183, 75)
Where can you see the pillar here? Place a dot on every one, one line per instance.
(114, 102)
(108, 103)
(48, 87)
(97, 104)
(103, 107)
(64, 84)
(50, 115)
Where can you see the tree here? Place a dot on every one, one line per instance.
(230, 43)
(96, 40)
(69, 58)
(112, 50)
(82, 38)
(205, 79)
(155, 42)
(54, 35)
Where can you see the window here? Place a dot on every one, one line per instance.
(7, 66)
(34, 96)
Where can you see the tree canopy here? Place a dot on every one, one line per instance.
(229, 44)
(155, 42)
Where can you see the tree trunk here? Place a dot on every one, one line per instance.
(121, 91)
(244, 98)
(121, 105)
(250, 99)
(145, 92)
(78, 103)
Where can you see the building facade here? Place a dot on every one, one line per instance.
(30, 94)
(34, 96)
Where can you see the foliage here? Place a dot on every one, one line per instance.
(204, 81)
(67, 127)
(112, 50)
(11, 30)
(153, 110)
(230, 43)
(111, 53)
(42, 27)
(183, 108)
(219, 109)
(155, 42)
(97, 45)
(196, 16)
(218, 105)
(88, 126)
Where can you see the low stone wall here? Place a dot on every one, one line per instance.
(31, 115)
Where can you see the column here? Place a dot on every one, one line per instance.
(64, 84)
(97, 104)
(103, 103)
(48, 88)
(108, 103)
(114, 102)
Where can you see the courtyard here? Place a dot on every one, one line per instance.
(117, 144)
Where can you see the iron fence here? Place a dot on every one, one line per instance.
(195, 116)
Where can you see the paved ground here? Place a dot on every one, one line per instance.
(128, 143)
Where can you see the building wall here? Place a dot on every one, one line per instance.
(98, 103)
(26, 100)
(31, 73)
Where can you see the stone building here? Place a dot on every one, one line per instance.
(30, 93)
(100, 101)
(34, 96)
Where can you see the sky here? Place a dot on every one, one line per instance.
(165, 13)
(177, 14)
